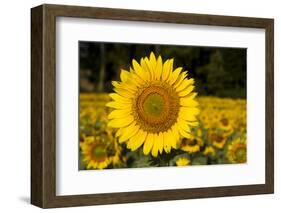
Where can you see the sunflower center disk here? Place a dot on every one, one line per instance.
(99, 153)
(154, 105)
(241, 154)
(156, 108)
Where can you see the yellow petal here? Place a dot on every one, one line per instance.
(174, 76)
(139, 71)
(148, 144)
(171, 65)
(150, 68)
(118, 105)
(89, 166)
(120, 122)
(152, 60)
(158, 144)
(119, 132)
(188, 114)
(188, 102)
(166, 70)
(161, 142)
(194, 124)
(176, 135)
(191, 95)
(124, 92)
(158, 69)
(124, 75)
(166, 144)
(183, 124)
(181, 77)
(143, 77)
(137, 140)
(184, 133)
(136, 66)
(184, 84)
(146, 70)
(136, 79)
(193, 110)
(127, 86)
(119, 114)
(186, 91)
(131, 130)
(169, 140)
(119, 98)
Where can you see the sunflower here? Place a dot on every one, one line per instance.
(154, 106)
(117, 158)
(217, 138)
(209, 151)
(94, 153)
(225, 125)
(182, 161)
(100, 152)
(237, 151)
(192, 144)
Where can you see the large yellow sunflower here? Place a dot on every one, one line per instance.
(154, 106)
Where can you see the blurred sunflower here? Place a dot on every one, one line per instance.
(237, 151)
(217, 138)
(225, 125)
(116, 155)
(154, 106)
(182, 161)
(94, 153)
(191, 145)
(100, 152)
(209, 151)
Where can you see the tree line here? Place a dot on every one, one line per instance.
(217, 71)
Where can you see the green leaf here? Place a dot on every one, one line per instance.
(199, 161)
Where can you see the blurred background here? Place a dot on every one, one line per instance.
(217, 71)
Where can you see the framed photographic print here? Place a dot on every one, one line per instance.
(136, 106)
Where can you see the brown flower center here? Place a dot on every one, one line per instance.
(224, 121)
(99, 153)
(156, 107)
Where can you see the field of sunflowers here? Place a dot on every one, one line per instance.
(220, 137)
